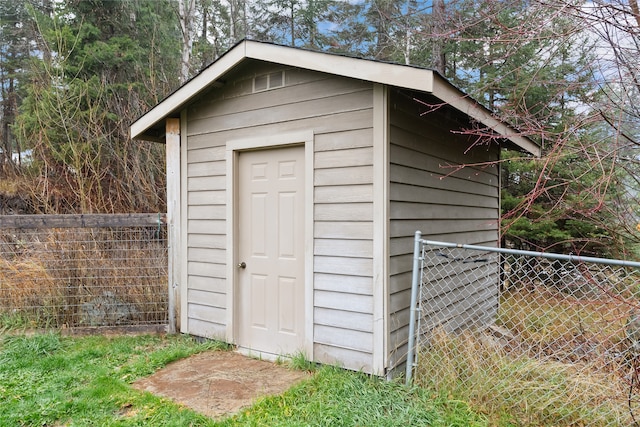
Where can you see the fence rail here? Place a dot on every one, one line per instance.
(72, 271)
(543, 339)
(81, 221)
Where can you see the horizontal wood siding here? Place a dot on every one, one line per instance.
(448, 189)
(343, 248)
(339, 112)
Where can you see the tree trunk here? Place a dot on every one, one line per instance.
(439, 60)
(186, 13)
(635, 10)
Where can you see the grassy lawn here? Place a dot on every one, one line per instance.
(50, 380)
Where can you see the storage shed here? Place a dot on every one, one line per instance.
(296, 182)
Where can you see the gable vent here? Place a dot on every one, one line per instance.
(268, 81)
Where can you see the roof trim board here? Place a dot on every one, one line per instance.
(362, 69)
(401, 76)
(171, 104)
(448, 93)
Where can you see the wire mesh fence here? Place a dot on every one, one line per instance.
(91, 276)
(530, 340)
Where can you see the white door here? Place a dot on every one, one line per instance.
(270, 271)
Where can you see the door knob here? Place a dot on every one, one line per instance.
(242, 265)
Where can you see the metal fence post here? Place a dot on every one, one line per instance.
(415, 284)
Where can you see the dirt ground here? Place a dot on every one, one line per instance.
(219, 383)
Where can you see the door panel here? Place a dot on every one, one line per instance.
(257, 316)
(270, 292)
(258, 224)
(286, 237)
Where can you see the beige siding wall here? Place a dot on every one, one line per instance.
(429, 193)
(339, 111)
(343, 247)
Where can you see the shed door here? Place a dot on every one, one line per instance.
(271, 245)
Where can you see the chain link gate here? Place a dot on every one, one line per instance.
(527, 337)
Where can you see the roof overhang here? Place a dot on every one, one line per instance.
(408, 77)
(453, 96)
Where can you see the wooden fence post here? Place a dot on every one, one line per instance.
(173, 218)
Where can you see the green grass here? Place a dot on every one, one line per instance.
(46, 379)
(50, 380)
(335, 397)
(298, 362)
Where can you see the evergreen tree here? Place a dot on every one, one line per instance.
(292, 22)
(534, 69)
(83, 95)
(18, 40)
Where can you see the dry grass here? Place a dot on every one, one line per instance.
(520, 389)
(28, 291)
(557, 360)
(70, 277)
(12, 184)
(566, 328)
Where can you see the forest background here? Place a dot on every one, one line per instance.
(75, 73)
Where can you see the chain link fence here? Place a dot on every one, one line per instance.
(83, 271)
(529, 338)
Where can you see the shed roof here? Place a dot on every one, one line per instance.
(150, 125)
